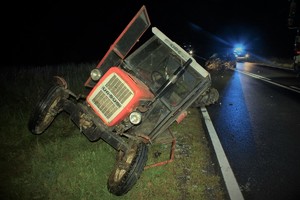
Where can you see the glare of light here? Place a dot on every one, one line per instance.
(238, 49)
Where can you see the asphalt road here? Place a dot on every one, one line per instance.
(257, 120)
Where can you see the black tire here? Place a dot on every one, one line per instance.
(46, 109)
(128, 169)
(211, 96)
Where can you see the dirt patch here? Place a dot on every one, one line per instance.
(193, 174)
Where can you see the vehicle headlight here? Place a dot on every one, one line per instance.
(96, 74)
(135, 117)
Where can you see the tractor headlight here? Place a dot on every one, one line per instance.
(96, 74)
(135, 117)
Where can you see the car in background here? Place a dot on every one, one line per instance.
(241, 54)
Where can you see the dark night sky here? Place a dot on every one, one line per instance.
(52, 32)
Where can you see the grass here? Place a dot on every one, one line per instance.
(62, 164)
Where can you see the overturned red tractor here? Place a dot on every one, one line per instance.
(134, 97)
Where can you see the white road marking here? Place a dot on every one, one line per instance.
(292, 88)
(295, 87)
(228, 176)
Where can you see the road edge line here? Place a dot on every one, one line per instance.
(229, 178)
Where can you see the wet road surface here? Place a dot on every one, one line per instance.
(258, 124)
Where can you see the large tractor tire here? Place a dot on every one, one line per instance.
(128, 169)
(210, 97)
(47, 109)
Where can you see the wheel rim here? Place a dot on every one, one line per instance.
(49, 116)
(124, 164)
(47, 109)
(128, 169)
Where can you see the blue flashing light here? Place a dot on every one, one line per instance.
(239, 50)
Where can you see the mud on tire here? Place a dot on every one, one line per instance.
(46, 109)
(128, 169)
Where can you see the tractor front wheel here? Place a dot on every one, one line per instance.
(129, 167)
(47, 109)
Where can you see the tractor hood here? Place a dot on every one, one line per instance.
(124, 43)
